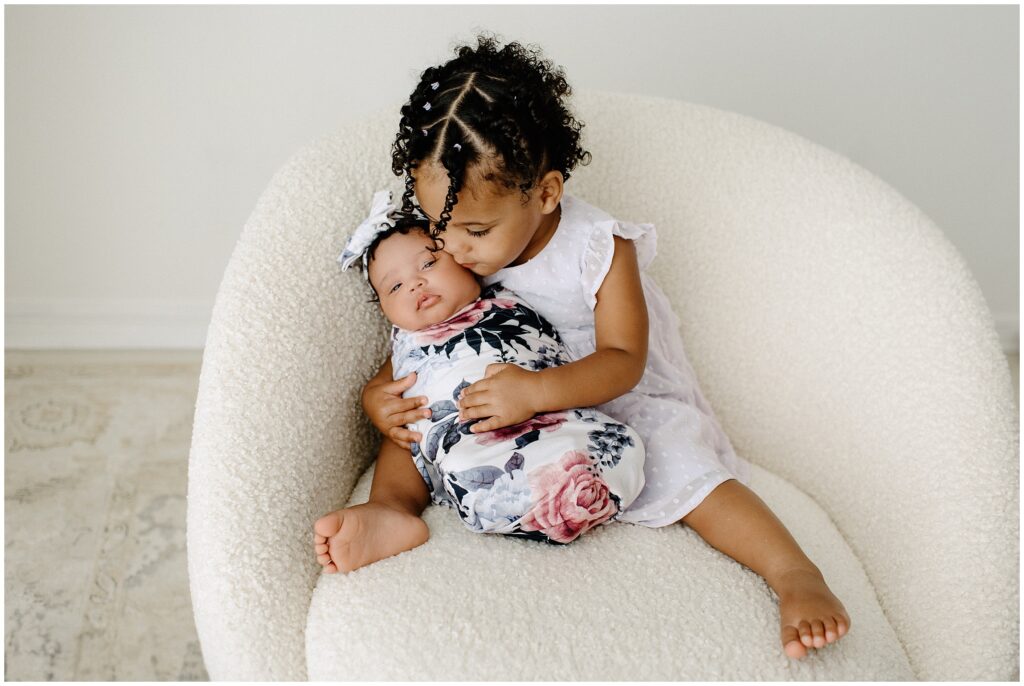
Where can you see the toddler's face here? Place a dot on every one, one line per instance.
(416, 287)
(490, 227)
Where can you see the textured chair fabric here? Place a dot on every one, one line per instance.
(843, 343)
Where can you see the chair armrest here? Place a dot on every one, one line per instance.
(845, 346)
(279, 437)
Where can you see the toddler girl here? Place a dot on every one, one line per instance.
(550, 478)
(485, 144)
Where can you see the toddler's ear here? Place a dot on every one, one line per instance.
(550, 189)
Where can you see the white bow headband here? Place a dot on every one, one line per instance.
(380, 220)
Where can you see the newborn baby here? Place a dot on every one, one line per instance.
(550, 478)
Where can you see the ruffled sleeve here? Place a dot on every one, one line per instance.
(597, 257)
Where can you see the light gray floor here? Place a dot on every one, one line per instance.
(96, 466)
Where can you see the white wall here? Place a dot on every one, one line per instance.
(138, 138)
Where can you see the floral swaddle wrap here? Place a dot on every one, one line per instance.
(550, 478)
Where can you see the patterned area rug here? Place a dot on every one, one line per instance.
(96, 466)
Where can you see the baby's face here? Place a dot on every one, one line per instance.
(418, 288)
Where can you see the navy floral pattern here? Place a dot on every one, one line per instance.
(550, 478)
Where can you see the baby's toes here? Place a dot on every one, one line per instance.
(818, 633)
(321, 548)
(791, 642)
(323, 558)
(842, 625)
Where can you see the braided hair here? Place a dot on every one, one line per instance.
(496, 110)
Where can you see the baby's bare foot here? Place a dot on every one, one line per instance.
(811, 616)
(357, 536)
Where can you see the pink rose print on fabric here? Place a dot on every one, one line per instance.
(549, 421)
(570, 498)
(460, 321)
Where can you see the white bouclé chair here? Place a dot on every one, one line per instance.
(844, 345)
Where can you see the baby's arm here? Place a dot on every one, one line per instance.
(510, 394)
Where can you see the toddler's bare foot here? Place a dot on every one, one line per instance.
(811, 616)
(357, 536)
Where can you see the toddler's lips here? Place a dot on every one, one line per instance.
(426, 301)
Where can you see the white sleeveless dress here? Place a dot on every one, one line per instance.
(688, 453)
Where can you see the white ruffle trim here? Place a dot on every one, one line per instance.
(597, 257)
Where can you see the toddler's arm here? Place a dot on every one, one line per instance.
(388, 410)
(620, 327)
(510, 394)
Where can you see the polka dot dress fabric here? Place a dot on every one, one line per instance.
(688, 453)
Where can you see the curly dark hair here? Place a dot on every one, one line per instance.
(497, 110)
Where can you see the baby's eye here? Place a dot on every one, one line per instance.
(395, 287)
(429, 263)
(479, 234)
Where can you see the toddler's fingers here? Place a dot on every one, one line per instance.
(487, 425)
(401, 435)
(400, 405)
(476, 412)
(473, 400)
(410, 417)
(475, 387)
(398, 385)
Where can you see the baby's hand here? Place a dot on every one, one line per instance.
(507, 395)
(390, 412)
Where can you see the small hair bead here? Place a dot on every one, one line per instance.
(434, 85)
(424, 131)
(457, 146)
(426, 106)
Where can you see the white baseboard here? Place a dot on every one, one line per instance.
(47, 324)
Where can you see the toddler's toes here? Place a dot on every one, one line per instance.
(330, 568)
(327, 526)
(831, 631)
(842, 625)
(818, 633)
(805, 633)
(791, 642)
(323, 558)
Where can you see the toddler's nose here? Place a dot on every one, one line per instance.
(462, 257)
(457, 249)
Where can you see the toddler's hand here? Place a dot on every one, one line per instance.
(507, 395)
(390, 412)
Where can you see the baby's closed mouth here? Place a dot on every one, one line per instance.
(426, 300)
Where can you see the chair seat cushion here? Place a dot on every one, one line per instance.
(623, 602)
